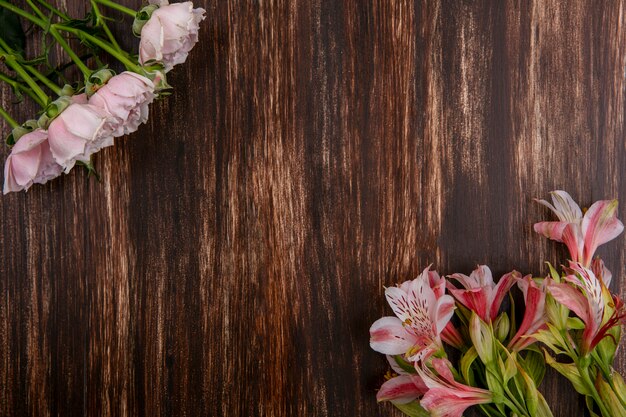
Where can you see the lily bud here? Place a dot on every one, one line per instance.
(502, 326)
(482, 338)
(142, 17)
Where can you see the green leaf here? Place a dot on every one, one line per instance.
(508, 367)
(553, 273)
(590, 402)
(534, 364)
(543, 409)
(412, 409)
(608, 346)
(466, 362)
(609, 398)
(620, 386)
(569, 371)
(531, 394)
(575, 323)
(11, 30)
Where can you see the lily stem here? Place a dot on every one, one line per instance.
(584, 372)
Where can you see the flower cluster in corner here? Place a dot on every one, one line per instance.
(81, 117)
(499, 361)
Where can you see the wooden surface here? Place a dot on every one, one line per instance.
(233, 257)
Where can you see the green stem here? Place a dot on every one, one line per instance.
(118, 7)
(512, 401)
(6, 116)
(54, 10)
(19, 86)
(33, 70)
(45, 80)
(39, 22)
(12, 63)
(79, 63)
(100, 19)
(130, 65)
(36, 9)
(584, 372)
(515, 408)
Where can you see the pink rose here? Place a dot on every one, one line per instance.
(30, 162)
(78, 132)
(126, 97)
(170, 33)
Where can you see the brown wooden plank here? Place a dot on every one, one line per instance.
(234, 255)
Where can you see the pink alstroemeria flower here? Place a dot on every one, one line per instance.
(480, 293)
(421, 317)
(581, 234)
(402, 388)
(445, 396)
(601, 271)
(534, 315)
(449, 334)
(587, 298)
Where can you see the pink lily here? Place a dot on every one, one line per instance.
(534, 315)
(402, 388)
(587, 297)
(445, 396)
(449, 334)
(420, 319)
(581, 234)
(601, 271)
(480, 293)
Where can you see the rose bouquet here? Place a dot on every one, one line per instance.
(79, 117)
(453, 343)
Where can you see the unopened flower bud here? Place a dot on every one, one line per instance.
(502, 326)
(481, 334)
(142, 17)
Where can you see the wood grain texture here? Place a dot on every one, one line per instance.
(234, 255)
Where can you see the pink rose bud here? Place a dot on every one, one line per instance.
(78, 132)
(170, 33)
(30, 162)
(126, 97)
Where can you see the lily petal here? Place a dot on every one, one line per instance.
(388, 336)
(401, 389)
